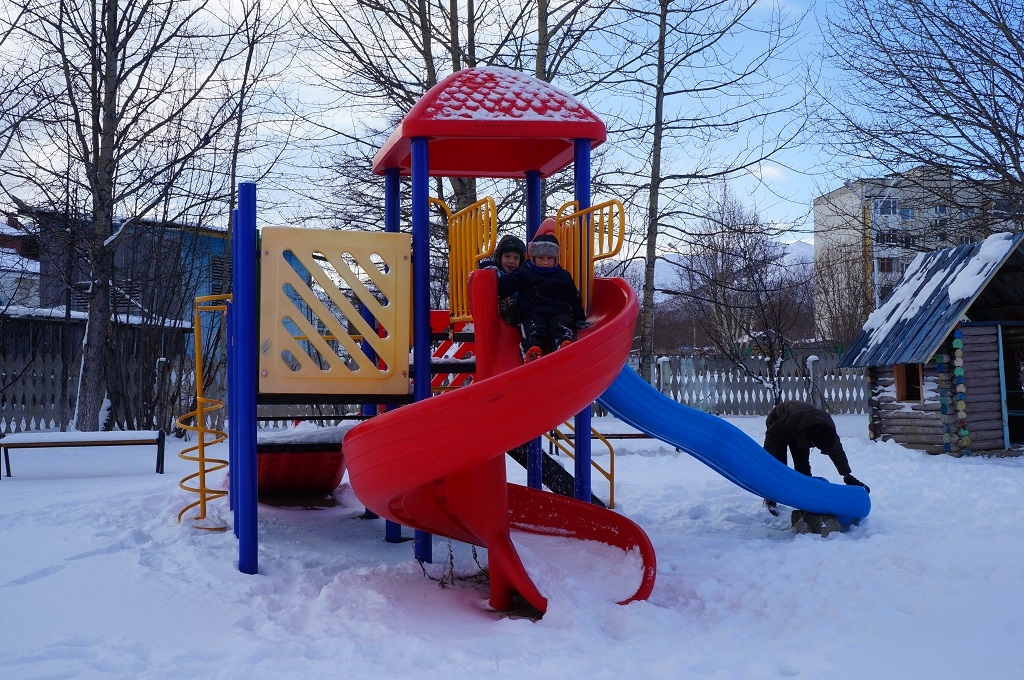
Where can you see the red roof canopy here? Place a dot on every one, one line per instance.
(492, 122)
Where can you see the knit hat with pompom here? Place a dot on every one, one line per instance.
(545, 244)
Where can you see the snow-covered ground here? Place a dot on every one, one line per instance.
(98, 580)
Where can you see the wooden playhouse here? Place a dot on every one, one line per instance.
(945, 353)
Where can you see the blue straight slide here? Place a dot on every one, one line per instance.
(728, 450)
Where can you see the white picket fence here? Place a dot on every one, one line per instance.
(31, 395)
(722, 388)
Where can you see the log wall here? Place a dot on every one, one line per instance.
(961, 407)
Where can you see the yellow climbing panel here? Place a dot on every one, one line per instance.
(313, 284)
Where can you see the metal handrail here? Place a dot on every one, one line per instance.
(566, 446)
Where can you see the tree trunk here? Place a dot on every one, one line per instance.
(101, 180)
(653, 208)
(91, 385)
(540, 70)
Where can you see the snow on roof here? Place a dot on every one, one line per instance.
(492, 122)
(11, 261)
(497, 93)
(20, 312)
(978, 270)
(305, 433)
(936, 291)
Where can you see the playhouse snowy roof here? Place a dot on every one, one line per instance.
(978, 281)
(492, 122)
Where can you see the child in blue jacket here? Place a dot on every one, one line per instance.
(548, 304)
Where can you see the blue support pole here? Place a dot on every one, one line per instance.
(392, 200)
(582, 422)
(534, 208)
(392, 224)
(534, 464)
(244, 372)
(232, 422)
(534, 216)
(421, 297)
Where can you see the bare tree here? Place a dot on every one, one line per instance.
(374, 60)
(842, 300)
(736, 282)
(706, 100)
(136, 96)
(388, 54)
(929, 84)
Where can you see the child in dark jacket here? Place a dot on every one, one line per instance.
(549, 306)
(799, 426)
(508, 255)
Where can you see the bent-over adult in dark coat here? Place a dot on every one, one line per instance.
(800, 426)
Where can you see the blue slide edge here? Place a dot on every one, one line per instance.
(728, 450)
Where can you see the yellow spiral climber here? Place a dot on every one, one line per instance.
(205, 436)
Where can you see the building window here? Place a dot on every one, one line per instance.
(126, 296)
(941, 209)
(891, 265)
(888, 237)
(894, 237)
(80, 296)
(1003, 207)
(216, 274)
(906, 214)
(909, 381)
(884, 206)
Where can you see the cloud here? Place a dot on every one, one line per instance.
(770, 173)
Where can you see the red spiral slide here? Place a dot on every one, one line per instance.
(438, 465)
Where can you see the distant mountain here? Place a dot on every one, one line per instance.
(665, 273)
(800, 252)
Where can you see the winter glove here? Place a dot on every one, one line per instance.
(583, 324)
(853, 481)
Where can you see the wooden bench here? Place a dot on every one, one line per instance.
(52, 440)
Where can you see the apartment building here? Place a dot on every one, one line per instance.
(867, 231)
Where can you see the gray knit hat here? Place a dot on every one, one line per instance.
(545, 244)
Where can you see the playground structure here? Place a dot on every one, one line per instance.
(437, 464)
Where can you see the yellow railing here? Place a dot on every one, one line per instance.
(205, 436)
(566, 446)
(472, 235)
(605, 225)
